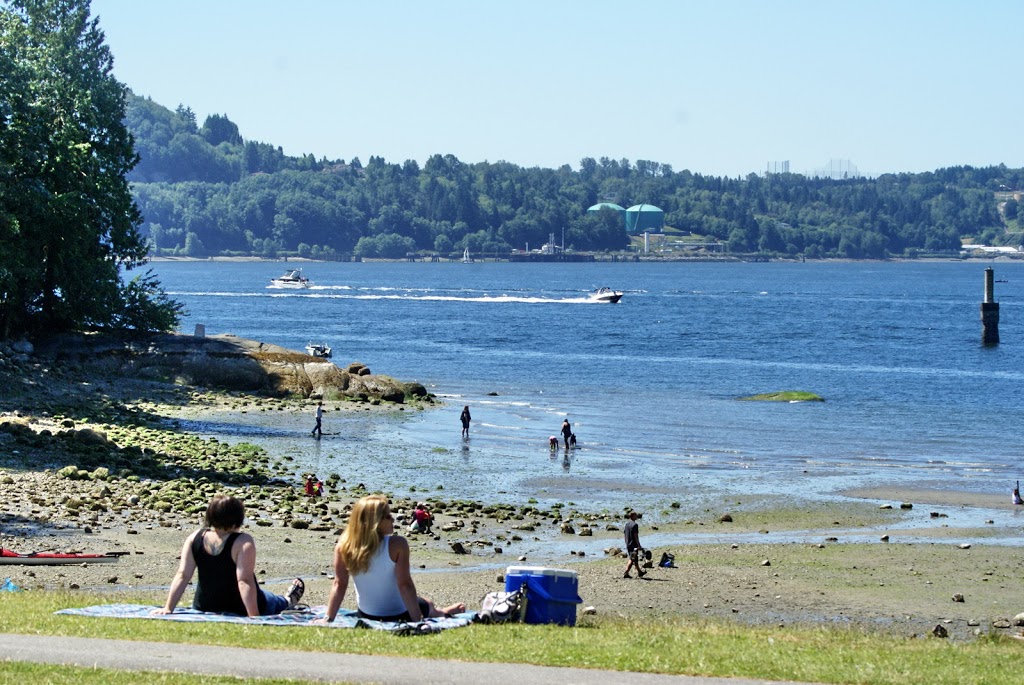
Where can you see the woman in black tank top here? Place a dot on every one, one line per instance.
(226, 560)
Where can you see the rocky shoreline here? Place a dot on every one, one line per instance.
(92, 461)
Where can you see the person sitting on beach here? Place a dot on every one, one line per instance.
(422, 520)
(226, 560)
(377, 561)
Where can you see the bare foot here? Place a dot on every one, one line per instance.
(453, 609)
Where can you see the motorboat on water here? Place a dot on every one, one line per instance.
(606, 295)
(318, 350)
(292, 278)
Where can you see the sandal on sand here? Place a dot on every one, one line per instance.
(295, 592)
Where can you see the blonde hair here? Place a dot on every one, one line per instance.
(361, 539)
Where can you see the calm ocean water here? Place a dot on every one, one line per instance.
(650, 384)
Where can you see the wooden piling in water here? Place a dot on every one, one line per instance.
(989, 311)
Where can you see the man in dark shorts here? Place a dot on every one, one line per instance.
(317, 429)
(632, 534)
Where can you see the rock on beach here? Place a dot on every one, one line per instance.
(226, 362)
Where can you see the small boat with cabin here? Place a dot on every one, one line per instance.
(606, 295)
(321, 350)
(292, 278)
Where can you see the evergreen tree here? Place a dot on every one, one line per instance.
(219, 129)
(64, 202)
(186, 115)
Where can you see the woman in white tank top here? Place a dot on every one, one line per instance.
(377, 561)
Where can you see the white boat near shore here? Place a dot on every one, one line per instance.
(292, 278)
(321, 350)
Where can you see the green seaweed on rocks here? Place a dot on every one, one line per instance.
(786, 396)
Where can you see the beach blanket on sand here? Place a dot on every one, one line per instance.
(305, 617)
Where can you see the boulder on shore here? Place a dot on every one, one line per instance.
(224, 362)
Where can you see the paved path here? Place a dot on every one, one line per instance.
(316, 666)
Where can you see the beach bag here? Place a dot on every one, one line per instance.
(503, 607)
(667, 560)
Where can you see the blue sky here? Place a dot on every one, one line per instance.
(717, 87)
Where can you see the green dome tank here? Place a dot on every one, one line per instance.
(642, 218)
(606, 205)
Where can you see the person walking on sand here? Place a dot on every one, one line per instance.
(632, 535)
(317, 429)
(566, 432)
(465, 418)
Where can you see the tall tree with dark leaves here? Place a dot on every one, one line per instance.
(64, 152)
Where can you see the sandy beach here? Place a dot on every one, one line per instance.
(742, 561)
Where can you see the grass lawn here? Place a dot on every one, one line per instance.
(20, 672)
(824, 655)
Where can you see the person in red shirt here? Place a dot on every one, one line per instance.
(422, 519)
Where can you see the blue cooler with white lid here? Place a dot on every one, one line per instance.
(551, 593)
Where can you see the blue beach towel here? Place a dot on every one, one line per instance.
(344, 619)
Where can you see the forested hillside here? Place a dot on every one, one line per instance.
(208, 191)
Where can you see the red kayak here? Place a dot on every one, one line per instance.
(53, 558)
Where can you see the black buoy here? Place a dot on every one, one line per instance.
(989, 311)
